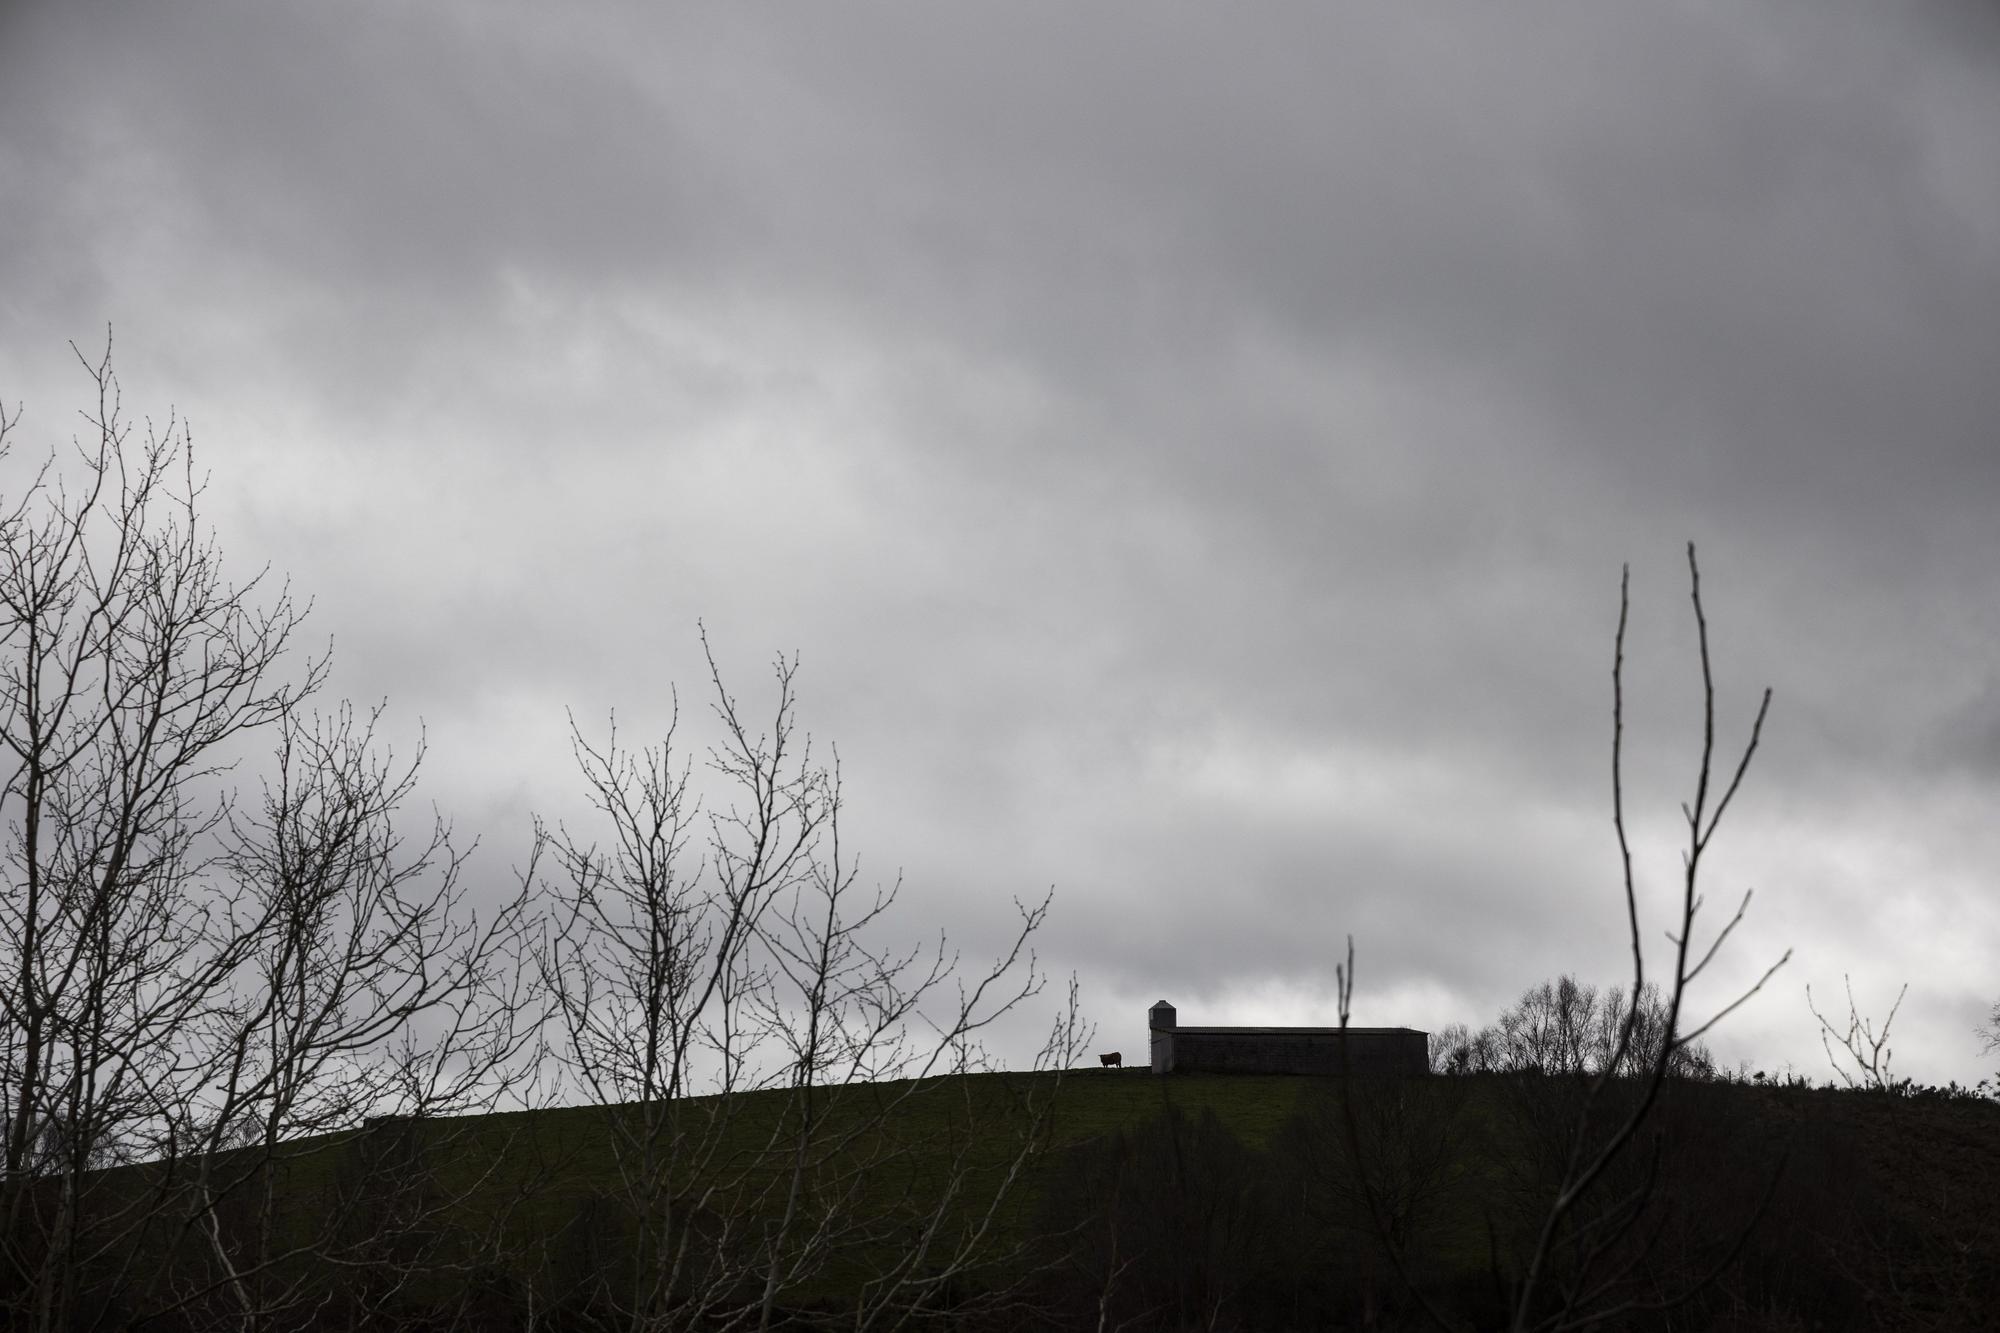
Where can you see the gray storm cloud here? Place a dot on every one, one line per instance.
(1193, 452)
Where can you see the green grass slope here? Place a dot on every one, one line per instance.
(1230, 1199)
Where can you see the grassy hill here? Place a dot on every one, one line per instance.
(1161, 1202)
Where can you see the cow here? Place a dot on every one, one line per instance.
(1111, 1061)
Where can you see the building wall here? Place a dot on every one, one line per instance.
(1298, 1051)
(1231, 1050)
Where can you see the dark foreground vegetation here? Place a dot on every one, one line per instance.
(1152, 1203)
(1770, 1208)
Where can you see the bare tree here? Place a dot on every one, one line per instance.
(680, 981)
(1647, 1039)
(1864, 1047)
(1552, 1029)
(1585, 1251)
(374, 999)
(131, 666)
(1566, 1027)
(184, 992)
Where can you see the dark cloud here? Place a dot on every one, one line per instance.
(1194, 451)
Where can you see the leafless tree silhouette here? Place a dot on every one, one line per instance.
(1865, 1047)
(1576, 1273)
(1565, 1027)
(681, 981)
(188, 991)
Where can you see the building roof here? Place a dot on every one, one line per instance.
(1301, 1031)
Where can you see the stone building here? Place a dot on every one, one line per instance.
(1213, 1050)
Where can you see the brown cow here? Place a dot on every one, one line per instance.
(1111, 1061)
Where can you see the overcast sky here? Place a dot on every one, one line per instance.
(1191, 448)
